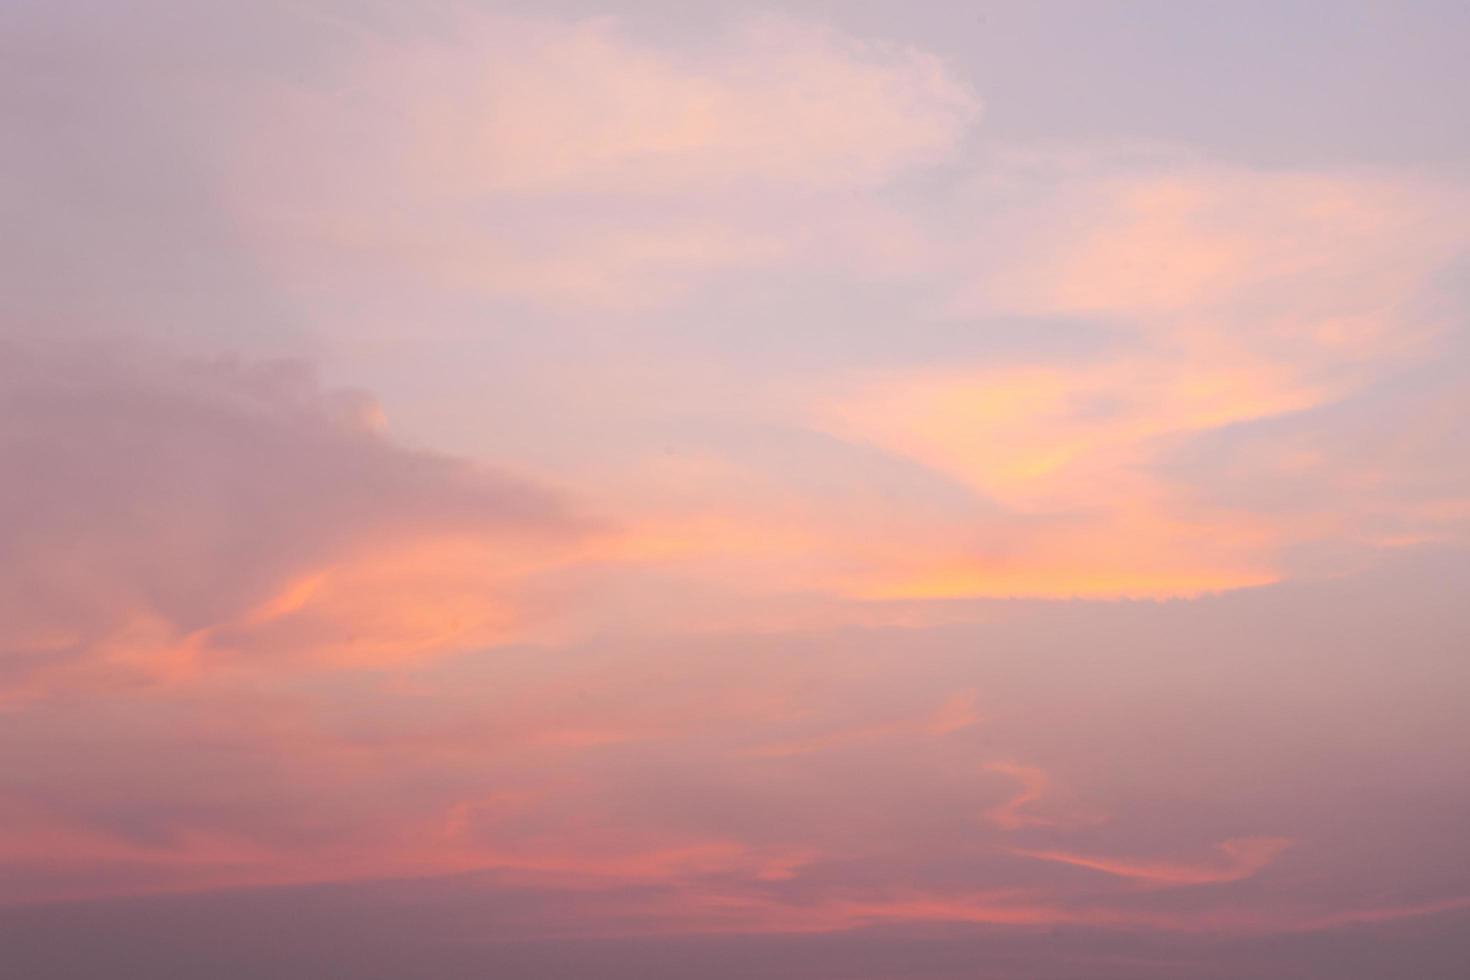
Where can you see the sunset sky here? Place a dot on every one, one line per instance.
(674, 490)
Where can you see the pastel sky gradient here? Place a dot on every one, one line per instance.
(819, 491)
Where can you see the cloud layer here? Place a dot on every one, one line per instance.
(796, 521)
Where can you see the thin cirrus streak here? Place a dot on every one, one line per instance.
(586, 491)
(1243, 858)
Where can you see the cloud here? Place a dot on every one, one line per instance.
(1242, 857)
(1232, 298)
(1066, 454)
(164, 507)
(571, 165)
(1016, 811)
(844, 376)
(493, 104)
(447, 180)
(615, 773)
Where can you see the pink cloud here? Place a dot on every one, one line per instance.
(1242, 858)
(169, 510)
(424, 171)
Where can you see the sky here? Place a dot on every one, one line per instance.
(821, 491)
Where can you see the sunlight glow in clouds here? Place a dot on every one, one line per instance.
(792, 503)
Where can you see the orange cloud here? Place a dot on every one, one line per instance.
(175, 510)
(1184, 249)
(1243, 297)
(396, 604)
(1066, 453)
